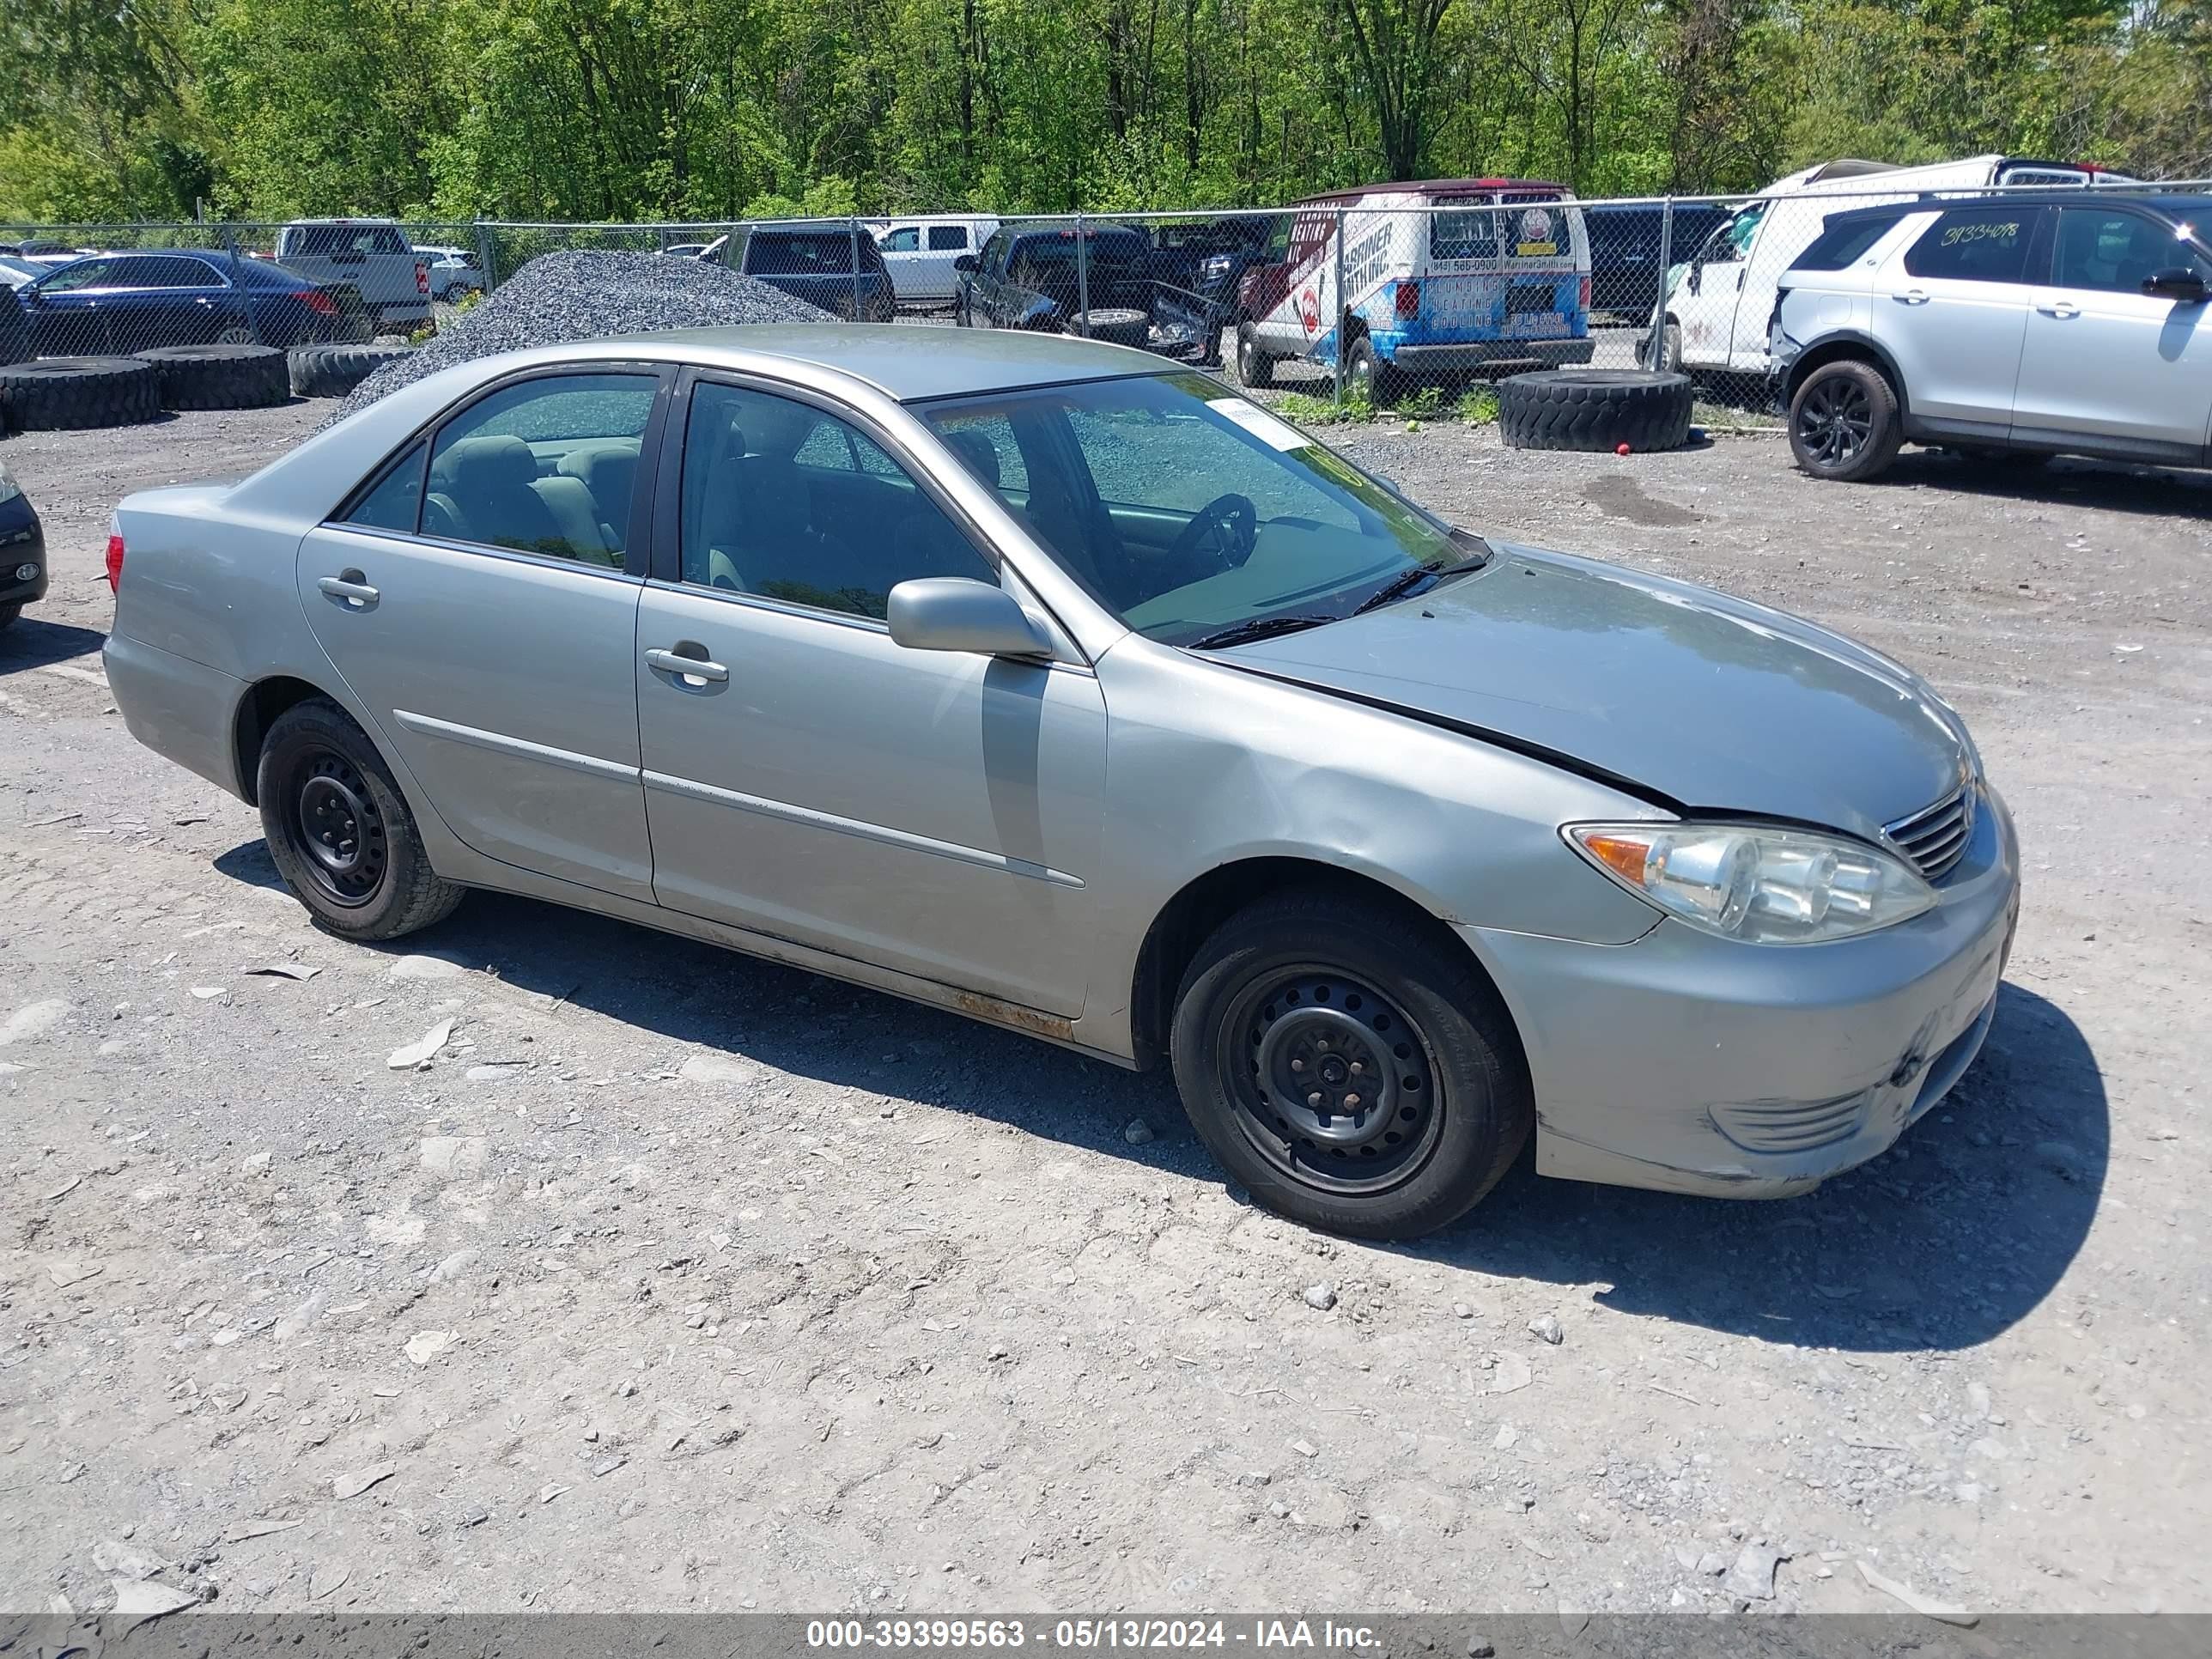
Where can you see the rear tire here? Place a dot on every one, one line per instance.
(1255, 368)
(220, 376)
(1426, 1097)
(1844, 423)
(1595, 409)
(62, 394)
(339, 830)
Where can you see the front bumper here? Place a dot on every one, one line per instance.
(1487, 354)
(1689, 1063)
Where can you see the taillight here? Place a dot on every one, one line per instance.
(320, 302)
(421, 278)
(114, 561)
(1585, 291)
(1408, 302)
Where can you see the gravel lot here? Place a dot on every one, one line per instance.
(679, 1281)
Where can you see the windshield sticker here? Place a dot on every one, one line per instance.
(1280, 434)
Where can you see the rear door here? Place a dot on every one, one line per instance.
(480, 601)
(1951, 305)
(2105, 362)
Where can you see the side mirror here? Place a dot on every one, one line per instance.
(965, 262)
(2176, 282)
(1696, 281)
(957, 613)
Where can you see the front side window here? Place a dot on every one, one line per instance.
(1975, 244)
(995, 252)
(905, 240)
(546, 466)
(88, 273)
(948, 239)
(1187, 511)
(2113, 252)
(788, 501)
(1843, 243)
(1731, 243)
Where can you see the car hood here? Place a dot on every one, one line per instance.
(1697, 700)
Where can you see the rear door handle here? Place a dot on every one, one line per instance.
(679, 662)
(2059, 308)
(1911, 296)
(349, 585)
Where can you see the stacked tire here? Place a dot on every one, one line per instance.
(1595, 409)
(63, 394)
(332, 371)
(220, 376)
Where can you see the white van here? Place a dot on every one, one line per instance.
(1721, 298)
(922, 252)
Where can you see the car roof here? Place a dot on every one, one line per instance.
(2171, 206)
(910, 364)
(1431, 187)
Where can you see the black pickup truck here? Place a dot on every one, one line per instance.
(1027, 276)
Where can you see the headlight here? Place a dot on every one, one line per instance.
(1760, 884)
(9, 488)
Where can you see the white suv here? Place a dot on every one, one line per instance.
(2020, 324)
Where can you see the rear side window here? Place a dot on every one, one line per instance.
(395, 501)
(948, 239)
(1843, 244)
(1975, 244)
(546, 466)
(799, 253)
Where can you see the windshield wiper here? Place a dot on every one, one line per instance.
(1255, 627)
(1407, 580)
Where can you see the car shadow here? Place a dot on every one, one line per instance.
(1945, 1241)
(2114, 486)
(33, 642)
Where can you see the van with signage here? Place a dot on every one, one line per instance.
(1442, 280)
(1721, 297)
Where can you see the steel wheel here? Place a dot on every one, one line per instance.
(1333, 1085)
(332, 823)
(1835, 419)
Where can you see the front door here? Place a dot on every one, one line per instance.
(807, 777)
(480, 602)
(1952, 306)
(2105, 361)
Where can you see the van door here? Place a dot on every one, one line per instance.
(1704, 300)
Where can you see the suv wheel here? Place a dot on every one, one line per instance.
(1844, 420)
(1255, 368)
(339, 830)
(1350, 1073)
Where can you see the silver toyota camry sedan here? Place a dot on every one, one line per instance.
(1049, 683)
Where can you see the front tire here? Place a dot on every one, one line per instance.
(339, 830)
(1844, 421)
(1255, 368)
(1350, 1073)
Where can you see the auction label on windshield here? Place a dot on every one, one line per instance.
(1259, 422)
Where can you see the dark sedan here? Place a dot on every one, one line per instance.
(1030, 278)
(119, 303)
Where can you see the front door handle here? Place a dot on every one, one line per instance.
(349, 585)
(1911, 296)
(2059, 308)
(680, 661)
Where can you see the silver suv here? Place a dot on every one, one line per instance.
(2001, 325)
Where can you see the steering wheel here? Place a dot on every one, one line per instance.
(1232, 522)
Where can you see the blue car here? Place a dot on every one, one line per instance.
(119, 303)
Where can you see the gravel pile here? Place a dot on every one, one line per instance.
(587, 295)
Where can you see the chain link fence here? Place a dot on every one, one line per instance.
(1416, 301)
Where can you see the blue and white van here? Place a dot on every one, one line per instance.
(1442, 280)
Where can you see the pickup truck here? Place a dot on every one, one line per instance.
(372, 256)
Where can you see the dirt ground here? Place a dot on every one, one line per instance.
(679, 1281)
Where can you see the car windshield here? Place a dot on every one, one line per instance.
(1192, 512)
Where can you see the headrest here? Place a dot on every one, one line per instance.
(606, 469)
(479, 464)
(977, 453)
